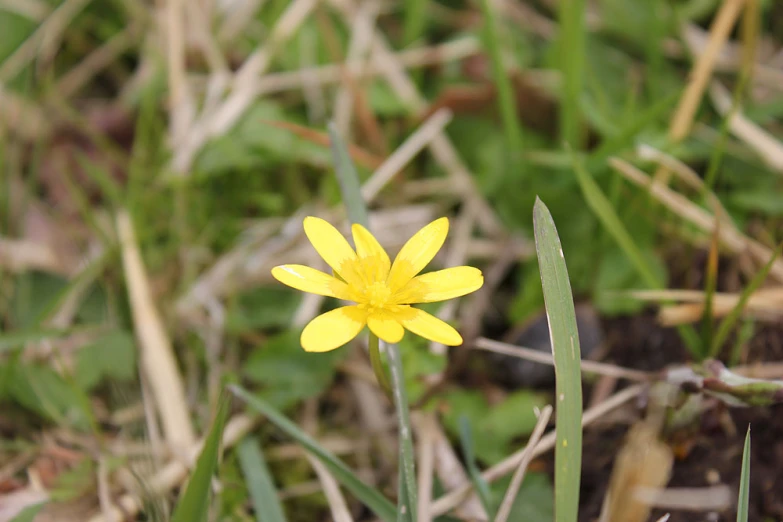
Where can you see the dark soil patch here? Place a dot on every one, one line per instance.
(715, 453)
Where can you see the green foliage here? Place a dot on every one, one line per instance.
(565, 347)
(535, 500)
(494, 428)
(193, 505)
(743, 500)
(260, 483)
(371, 497)
(29, 513)
(113, 356)
(42, 390)
(287, 374)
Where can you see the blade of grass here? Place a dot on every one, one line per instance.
(736, 312)
(561, 316)
(743, 500)
(710, 284)
(194, 503)
(571, 54)
(371, 497)
(348, 178)
(479, 484)
(501, 80)
(29, 513)
(602, 208)
(415, 20)
(260, 484)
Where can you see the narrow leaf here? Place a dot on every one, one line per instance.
(559, 303)
(194, 503)
(371, 497)
(348, 179)
(744, 490)
(260, 484)
(479, 484)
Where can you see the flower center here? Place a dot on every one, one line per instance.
(377, 295)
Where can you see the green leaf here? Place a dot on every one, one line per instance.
(42, 390)
(559, 303)
(534, 501)
(419, 363)
(110, 357)
(744, 490)
(479, 484)
(194, 502)
(29, 513)
(617, 273)
(259, 481)
(348, 178)
(265, 308)
(75, 482)
(372, 498)
(18, 338)
(287, 373)
(494, 426)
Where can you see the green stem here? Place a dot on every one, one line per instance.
(377, 365)
(407, 468)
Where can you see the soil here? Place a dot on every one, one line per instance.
(713, 453)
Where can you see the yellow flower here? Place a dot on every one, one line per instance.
(383, 291)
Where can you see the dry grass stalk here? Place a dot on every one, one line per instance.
(701, 73)
(426, 427)
(529, 354)
(527, 457)
(762, 142)
(337, 505)
(21, 255)
(157, 356)
(764, 303)
(732, 238)
(712, 498)
(358, 48)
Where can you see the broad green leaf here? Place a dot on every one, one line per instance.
(288, 374)
(372, 498)
(259, 481)
(267, 307)
(29, 513)
(494, 427)
(194, 502)
(113, 356)
(420, 364)
(42, 390)
(534, 501)
(561, 316)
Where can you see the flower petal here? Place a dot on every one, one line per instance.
(417, 253)
(373, 257)
(386, 327)
(426, 325)
(440, 285)
(310, 280)
(333, 329)
(332, 247)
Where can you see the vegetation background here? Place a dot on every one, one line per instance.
(158, 158)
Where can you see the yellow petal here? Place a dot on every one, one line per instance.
(426, 325)
(440, 285)
(332, 247)
(417, 253)
(372, 256)
(385, 327)
(310, 280)
(333, 329)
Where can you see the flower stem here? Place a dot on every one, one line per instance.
(377, 366)
(407, 503)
